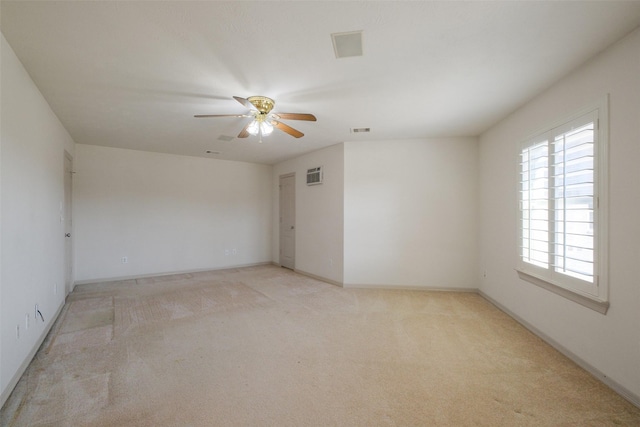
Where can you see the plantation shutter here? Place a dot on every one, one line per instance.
(558, 204)
(534, 207)
(574, 199)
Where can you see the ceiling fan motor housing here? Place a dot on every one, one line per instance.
(262, 103)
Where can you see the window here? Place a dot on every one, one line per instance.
(562, 226)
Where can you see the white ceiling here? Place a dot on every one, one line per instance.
(133, 74)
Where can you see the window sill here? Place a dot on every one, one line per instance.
(594, 304)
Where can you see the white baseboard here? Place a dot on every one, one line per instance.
(408, 288)
(614, 385)
(167, 273)
(25, 363)
(313, 276)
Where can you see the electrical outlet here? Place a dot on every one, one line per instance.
(234, 251)
(226, 252)
(124, 260)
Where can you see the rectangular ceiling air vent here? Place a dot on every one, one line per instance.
(360, 130)
(314, 176)
(225, 138)
(347, 44)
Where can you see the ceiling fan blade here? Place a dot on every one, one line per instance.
(295, 116)
(245, 102)
(244, 133)
(221, 115)
(286, 128)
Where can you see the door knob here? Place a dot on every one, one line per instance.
(67, 235)
(292, 227)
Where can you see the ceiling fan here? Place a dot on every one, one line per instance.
(264, 121)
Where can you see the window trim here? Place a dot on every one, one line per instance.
(545, 278)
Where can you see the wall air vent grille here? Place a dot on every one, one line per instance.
(314, 176)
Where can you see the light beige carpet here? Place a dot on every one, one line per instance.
(264, 346)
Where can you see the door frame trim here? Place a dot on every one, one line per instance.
(280, 178)
(68, 262)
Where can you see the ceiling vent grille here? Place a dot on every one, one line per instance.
(347, 44)
(314, 176)
(360, 130)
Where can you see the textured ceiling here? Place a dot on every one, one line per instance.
(133, 74)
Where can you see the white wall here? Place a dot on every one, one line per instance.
(167, 213)
(32, 143)
(410, 213)
(608, 343)
(319, 213)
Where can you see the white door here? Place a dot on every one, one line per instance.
(68, 248)
(288, 220)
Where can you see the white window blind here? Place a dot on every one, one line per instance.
(561, 232)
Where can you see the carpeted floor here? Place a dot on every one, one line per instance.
(264, 346)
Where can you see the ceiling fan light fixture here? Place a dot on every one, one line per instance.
(266, 128)
(253, 128)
